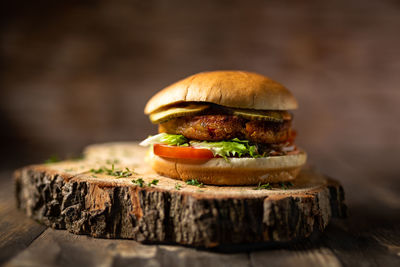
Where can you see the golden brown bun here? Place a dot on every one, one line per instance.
(236, 89)
(236, 171)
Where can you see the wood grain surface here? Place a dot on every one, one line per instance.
(73, 195)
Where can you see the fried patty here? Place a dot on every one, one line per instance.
(225, 127)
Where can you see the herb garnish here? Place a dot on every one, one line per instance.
(194, 182)
(113, 171)
(286, 185)
(178, 186)
(263, 186)
(154, 182)
(139, 182)
(52, 159)
(99, 170)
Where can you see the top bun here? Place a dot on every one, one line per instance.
(236, 89)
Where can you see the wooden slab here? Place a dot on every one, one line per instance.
(67, 195)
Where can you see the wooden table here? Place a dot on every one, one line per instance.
(369, 237)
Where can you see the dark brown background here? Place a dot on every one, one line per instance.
(76, 73)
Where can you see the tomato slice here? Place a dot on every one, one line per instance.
(182, 152)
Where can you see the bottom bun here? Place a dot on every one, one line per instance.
(234, 171)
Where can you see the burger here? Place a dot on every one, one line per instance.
(224, 128)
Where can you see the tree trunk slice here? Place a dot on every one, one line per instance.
(67, 195)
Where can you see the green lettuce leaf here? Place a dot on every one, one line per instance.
(167, 139)
(225, 149)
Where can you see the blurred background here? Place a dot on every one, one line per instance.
(75, 73)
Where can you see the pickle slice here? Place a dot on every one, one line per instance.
(174, 112)
(265, 115)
